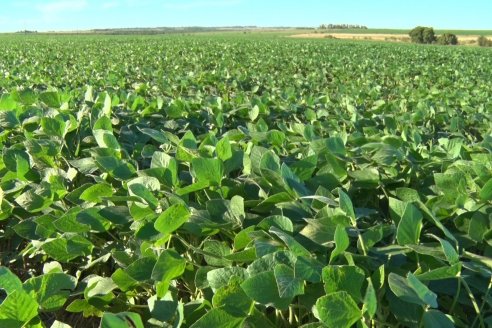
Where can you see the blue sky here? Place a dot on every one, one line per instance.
(86, 14)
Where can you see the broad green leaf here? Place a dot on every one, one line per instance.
(400, 287)
(342, 242)
(370, 300)
(95, 192)
(435, 318)
(293, 245)
(232, 299)
(142, 268)
(17, 309)
(288, 285)
(422, 291)
(66, 249)
(172, 218)
(218, 278)
(163, 309)
(121, 320)
(253, 113)
(119, 169)
(99, 286)
(486, 192)
(338, 310)
(169, 266)
(344, 278)
(53, 127)
(51, 99)
(51, 290)
(263, 289)
(140, 190)
(9, 282)
(223, 149)
(106, 139)
(220, 319)
(346, 204)
(308, 269)
(208, 170)
(444, 272)
(410, 226)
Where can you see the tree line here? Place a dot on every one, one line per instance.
(341, 27)
(426, 35)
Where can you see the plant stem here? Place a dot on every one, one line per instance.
(484, 301)
(474, 302)
(455, 300)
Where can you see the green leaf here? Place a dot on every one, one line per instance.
(219, 278)
(288, 285)
(342, 242)
(223, 149)
(344, 278)
(291, 243)
(308, 269)
(8, 120)
(435, 318)
(263, 289)
(106, 139)
(51, 290)
(218, 318)
(370, 300)
(66, 249)
(172, 218)
(410, 225)
(169, 266)
(53, 127)
(422, 291)
(142, 268)
(444, 272)
(17, 310)
(208, 170)
(346, 205)
(51, 99)
(163, 309)
(486, 192)
(34, 201)
(400, 287)
(253, 113)
(123, 280)
(338, 310)
(121, 320)
(9, 281)
(95, 192)
(232, 299)
(116, 167)
(138, 189)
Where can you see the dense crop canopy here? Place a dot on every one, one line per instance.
(243, 182)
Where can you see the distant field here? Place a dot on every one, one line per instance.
(406, 31)
(391, 35)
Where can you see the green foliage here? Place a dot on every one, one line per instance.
(423, 35)
(482, 41)
(237, 182)
(447, 39)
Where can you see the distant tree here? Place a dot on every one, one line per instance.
(447, 39)
(422, 34)
(429, 35)
(484, 42)
(417, 34)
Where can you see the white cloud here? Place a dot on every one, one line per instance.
(186, 5)
(57, 7)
